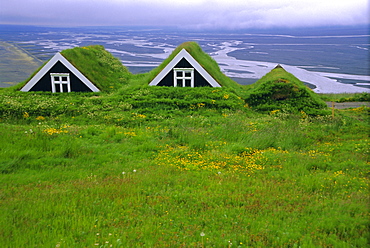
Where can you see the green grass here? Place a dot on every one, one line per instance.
(100, 66)
(158, 166)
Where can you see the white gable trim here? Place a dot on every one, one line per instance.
(58, 57)
(184, 54)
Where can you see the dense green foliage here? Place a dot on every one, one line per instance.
(280, 90)
(160, 166)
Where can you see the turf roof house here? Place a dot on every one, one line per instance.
(59, 75)
(81, 69)
(183, 70)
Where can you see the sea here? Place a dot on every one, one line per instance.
(326, 59)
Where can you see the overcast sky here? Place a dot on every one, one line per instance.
(200, 14)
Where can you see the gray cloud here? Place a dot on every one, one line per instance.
(213, 14)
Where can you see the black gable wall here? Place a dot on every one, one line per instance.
(199, 80)
(44, 84)
(183, 63)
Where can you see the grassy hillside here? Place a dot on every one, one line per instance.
(159, 166)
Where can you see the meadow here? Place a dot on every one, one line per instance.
(171, 167)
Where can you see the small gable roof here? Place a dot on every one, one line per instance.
(50, 64)
(183, 54)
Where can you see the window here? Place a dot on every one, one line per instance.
(183, 77)
(60, 82)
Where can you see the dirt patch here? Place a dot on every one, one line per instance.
(344, 105)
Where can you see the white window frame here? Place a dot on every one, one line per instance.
(60, 83)
(183, 78)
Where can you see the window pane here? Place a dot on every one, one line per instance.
(65, 89)
(187, 83)
(179, 82)
(188, 74)
(64, 78)
(56, 78)
(179, 73)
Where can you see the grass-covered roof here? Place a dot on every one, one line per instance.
(99, 66)
(104, 70)
(206, 61)
(281, 90)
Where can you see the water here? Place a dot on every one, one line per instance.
(328, 60)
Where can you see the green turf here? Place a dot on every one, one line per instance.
(160, 167)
